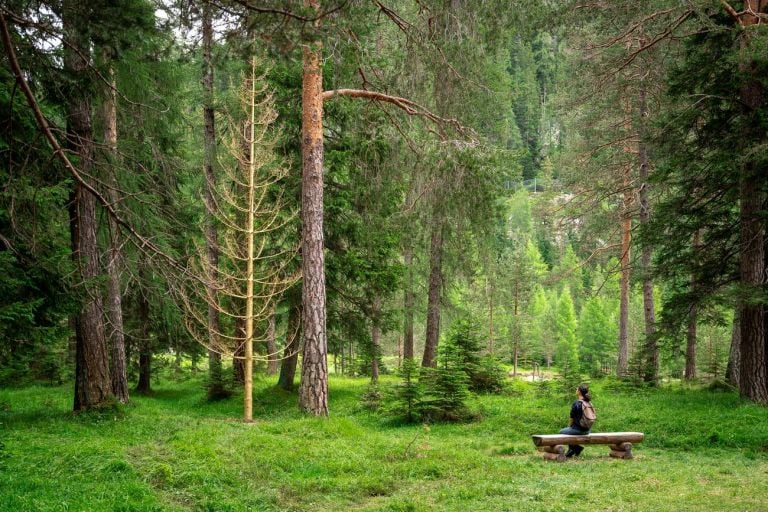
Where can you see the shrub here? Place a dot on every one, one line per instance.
(446, 388)
(407, 396)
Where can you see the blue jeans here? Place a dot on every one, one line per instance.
(574, 431)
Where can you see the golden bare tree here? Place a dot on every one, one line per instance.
(255, 265)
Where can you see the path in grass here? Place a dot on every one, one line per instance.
(173, 451)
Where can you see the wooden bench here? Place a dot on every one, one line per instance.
(555, 446)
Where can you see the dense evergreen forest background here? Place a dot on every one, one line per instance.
(555, 190)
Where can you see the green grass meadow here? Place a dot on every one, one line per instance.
(173, 451)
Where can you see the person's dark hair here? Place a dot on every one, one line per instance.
(584, 390)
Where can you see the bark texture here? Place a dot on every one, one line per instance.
(375, 339)
(114, 256)
(313, 392)
(690, 347)
(144, 386)
(216, 387)
(272, 344)
(433, 296)
(753, 378)
(93, 383)
(733, 370)
(408, 303)
(626, 241)
(292, 342)
(691, 337)
(651, 349)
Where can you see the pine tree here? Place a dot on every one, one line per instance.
(597, 334)
(567, 347)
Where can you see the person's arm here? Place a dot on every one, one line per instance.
(574, 413)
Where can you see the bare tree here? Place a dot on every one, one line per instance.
(254, 268)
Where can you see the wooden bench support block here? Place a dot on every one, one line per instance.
(559, 457)
(622, 447)
(621, 454)
(559, 448)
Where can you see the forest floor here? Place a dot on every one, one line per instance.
(173, 451)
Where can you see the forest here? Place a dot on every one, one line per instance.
(352, 254)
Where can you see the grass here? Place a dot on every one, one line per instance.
(173, 451)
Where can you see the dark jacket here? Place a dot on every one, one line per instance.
(576, 414)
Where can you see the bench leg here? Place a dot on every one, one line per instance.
(621, 451)
(556, 452)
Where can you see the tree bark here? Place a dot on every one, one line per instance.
(753, 378)
(408, 302)
(93, 384)
(651, 366)
(144, 385)
(216, 387)
(626, 240)
(433, 294)
(292, 339)
(489, 292)
(272, 343)
(733, 371)
(375, 339)
(313, 391)
(238, 363)
(690, 350)
(114, 257)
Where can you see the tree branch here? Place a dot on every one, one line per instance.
(411, 108)
(732, 12)
(141, 242)
(280, 12)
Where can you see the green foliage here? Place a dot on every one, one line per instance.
(597, 333)
(567, 347)
(446, 388)
(371, 399)
(484, 372)
(407, 394)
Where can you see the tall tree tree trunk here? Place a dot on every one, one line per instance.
(626, 241)
(216, 387)
(690, 350)
(313, 392)
(516, 332)
(238, 362)
(733, 370)
(489, 292)
(93, 384)
(651, 349)
(408, 301)
(375, 339)
(272, 343)
(144, 385)
(114, 257)
(447, 26)
(433, 294)
(753, 378)
(292, 342)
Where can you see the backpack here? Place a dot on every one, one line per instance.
(588, 415)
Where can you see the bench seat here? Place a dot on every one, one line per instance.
(554, 446)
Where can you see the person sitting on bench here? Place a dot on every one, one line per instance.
(574, 427)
